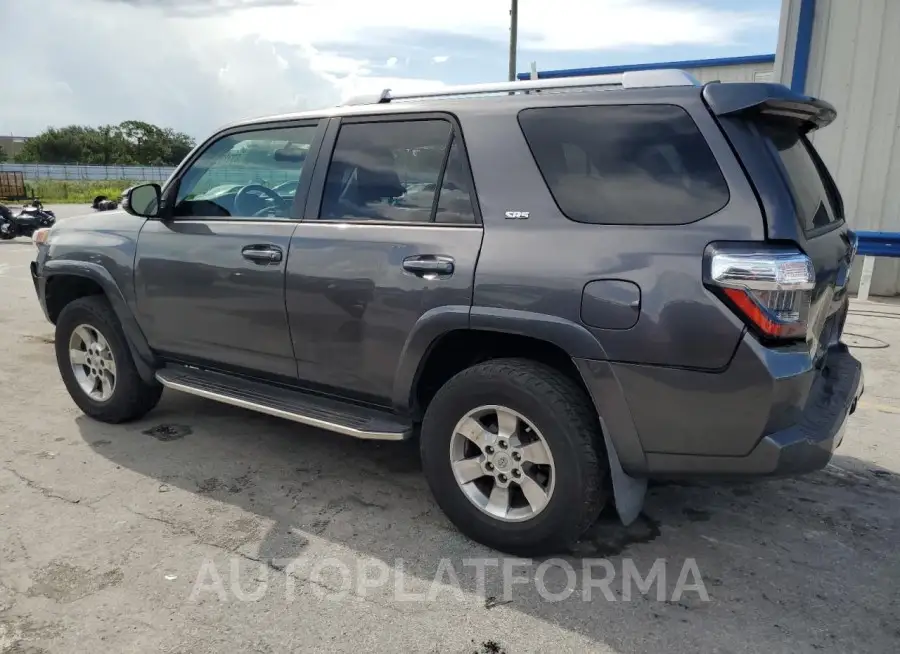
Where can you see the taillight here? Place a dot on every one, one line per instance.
(769, 287)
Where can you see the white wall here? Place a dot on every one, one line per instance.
(738, 73)
(855, 65)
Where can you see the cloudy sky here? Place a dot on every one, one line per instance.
(196, 64)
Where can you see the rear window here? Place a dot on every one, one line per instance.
(815, 198)
(625, 164)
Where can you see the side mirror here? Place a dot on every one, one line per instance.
(142, 200)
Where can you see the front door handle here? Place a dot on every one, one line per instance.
(429, 265)
(262, 254)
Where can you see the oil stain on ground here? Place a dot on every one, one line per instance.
(609, 537)
(490, 647)
(168, 432)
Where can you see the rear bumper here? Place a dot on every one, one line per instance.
(804, 447)
(771, 413)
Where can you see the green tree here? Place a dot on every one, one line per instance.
(3, 155)
(130, 143)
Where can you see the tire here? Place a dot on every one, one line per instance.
(561, 413)
(131, 397)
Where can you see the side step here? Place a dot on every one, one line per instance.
(305, 408)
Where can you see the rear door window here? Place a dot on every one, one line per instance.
(625, 164)
(815, 197)
(409, 171)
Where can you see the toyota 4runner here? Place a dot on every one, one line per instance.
(562, 288)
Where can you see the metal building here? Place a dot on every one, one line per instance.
(755, 68)
(848, 53)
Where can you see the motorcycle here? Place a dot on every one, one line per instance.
(31, 218)
(103, 203)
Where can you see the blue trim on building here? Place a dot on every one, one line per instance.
(690, 63)
(804, 44)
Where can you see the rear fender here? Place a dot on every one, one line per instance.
(623, 447)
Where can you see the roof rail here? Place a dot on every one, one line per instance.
(628, 80)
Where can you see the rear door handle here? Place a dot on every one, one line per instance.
(429, 265)
(262, 254)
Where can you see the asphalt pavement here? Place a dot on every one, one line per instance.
(206, 528)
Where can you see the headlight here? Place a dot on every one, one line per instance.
(41, 236)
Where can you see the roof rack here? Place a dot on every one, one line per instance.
(627, 80)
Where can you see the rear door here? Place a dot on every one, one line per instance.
(818, 224)
(391, 231)
(769, 127)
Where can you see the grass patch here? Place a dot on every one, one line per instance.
(50, 191)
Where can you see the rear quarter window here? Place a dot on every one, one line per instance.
(625, 164)
(816, 199)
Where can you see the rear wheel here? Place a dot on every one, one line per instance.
(512, 451)
(96, 364)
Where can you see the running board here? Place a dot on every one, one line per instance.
(305, 408)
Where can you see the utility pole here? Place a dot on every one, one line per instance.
(513, 38)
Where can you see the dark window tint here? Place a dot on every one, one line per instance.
(814, 196)
(455, 202)
(386, 171)
(625, 164)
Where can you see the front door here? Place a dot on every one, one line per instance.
(209, 278)
(392, 231)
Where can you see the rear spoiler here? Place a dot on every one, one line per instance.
(756, 99)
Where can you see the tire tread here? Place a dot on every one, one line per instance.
(572, 408)
(133, 397)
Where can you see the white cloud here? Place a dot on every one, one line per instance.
(119, 62)
(557, 25)
(105, 62)
(195, 64)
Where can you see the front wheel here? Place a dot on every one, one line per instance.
(96, 364)
(512, 451)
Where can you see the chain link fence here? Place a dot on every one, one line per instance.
(75, 172)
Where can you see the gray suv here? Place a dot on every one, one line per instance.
(561, 288)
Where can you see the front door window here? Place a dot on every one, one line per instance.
(251, 174)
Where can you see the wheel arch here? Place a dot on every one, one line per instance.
(565, 345)
(565, 339)
(66, 281)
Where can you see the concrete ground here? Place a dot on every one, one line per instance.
(177, 534)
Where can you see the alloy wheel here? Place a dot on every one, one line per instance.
(92, 362)
(502, 463)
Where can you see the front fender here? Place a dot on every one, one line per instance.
(143, 356)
